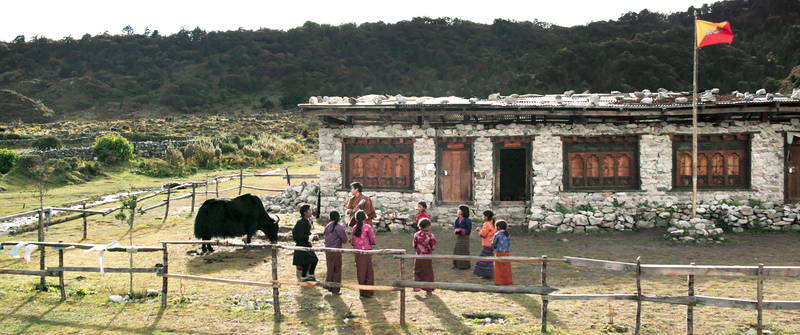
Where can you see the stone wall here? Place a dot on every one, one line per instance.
(142, 149)
(767, 181)
(711, 221)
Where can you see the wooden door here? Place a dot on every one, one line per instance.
(793, 172)
(455, 173)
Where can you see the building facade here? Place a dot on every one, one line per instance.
(535, 157)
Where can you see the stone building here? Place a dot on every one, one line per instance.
(571, 160)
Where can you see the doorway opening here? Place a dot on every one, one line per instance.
(512, 174)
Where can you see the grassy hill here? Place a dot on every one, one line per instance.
(195, 71)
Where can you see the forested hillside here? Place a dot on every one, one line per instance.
(194, 71)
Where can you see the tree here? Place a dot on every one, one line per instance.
(127, 212)
(128, 30)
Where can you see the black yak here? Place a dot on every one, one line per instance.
(243, 215)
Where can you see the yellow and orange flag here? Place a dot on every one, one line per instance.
(708, 33)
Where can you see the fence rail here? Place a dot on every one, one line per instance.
(545, 291)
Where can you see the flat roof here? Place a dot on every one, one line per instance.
(568, 107)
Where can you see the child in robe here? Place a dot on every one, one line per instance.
(424, 243)
(502, 244)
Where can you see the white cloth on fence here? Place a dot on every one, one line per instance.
(102, 249)
(14, 251)
(28, 251)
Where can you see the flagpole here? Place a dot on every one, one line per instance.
(694, 121)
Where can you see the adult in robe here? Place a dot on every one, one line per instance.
(359, 202)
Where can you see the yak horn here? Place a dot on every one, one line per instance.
(279, 219)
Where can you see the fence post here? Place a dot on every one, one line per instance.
(85, 222)
(638, 295)
(241, 180)
(166, 210)
(216, 185)
(319, 200)
(194, 187)
(690, 308)
(206, 192)
(164, 278)
(544, 297)
(402, 293)
(276, 301)
(61, 273)
(42, 282)
(760, 300)
(288, 177)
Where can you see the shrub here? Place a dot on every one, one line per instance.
(174, 156)
(154, 167)
(242, 140)
(563, 209)
(201, 153)
(7, 160)
(27, 165)
(227, 147)
(755, 203)
(113, 149)
(70, 170)
(273, 149)
(47, 143)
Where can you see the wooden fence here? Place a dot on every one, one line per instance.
(760, 272)
(59, 270)
(46, 214)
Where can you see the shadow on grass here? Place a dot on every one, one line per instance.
(25, 328)
(237, 259)
(374, 309)
(85, 326)
(18, 307)
(342, 311)
(449, 320)
(154, 325)
(534, 307)
(308, 301)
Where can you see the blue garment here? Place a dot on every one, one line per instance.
(501, 242)
(463, 223)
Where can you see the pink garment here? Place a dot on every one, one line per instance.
(366, 240)
(424, 242)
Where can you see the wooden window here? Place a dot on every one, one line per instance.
(379, 163)
(723, 161)
(601, 163)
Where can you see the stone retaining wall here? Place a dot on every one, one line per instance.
(142, 149)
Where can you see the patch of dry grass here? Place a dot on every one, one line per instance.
(209, 308)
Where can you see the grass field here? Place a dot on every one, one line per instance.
(209, 308)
